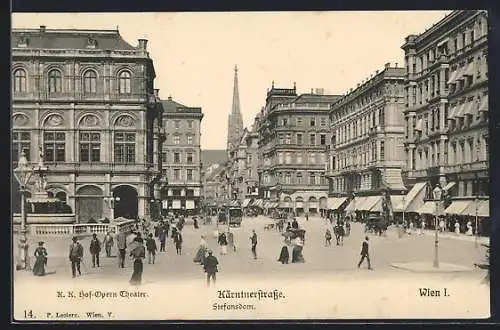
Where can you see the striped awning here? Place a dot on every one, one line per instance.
(449, 185)
(397, 201)
(369, 203)
(468, 70)
(459, 207)
(246, 202)
(427, 208)
(333, 203)
(414, 199)
(355, 203)
(257, 203)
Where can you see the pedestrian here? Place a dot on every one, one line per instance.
(253, 239)
(284, 255)
(365, 253)
(201, 252)
(163, 239)
(457, 227)
(441, 226)
(307, 216)
(138, 253)
(423, 226)
(75, 256)
(178, 242)
(108, 243)
(195, 222)
(295, 224)
(41, 260)
(298, 245)
(210, 267)
(223, 243)
(122, 247)
(95, 249)
(151, 247)
(328, 237)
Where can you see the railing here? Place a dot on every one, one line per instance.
(78, 52)
(482, 165)
(79, 229)
(131, 97)
(302, 106)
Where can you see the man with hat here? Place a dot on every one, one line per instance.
(210, 266)
(75, 256)
(95, 249)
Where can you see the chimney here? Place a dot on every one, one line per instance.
(42, 28)
(143, 44)
(170, 97)
(312, 91)
(357, 85)
(388, 64)
(350, 90)
(396, 64)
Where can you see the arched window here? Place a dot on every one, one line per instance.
(124, 83)
(90, 82)
(19, 80)
(55, 81)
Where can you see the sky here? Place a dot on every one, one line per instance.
(194, 54)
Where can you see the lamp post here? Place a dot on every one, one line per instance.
(400, 233)
(112, 201)
(437, 193)
(476, 231)
(23, 173)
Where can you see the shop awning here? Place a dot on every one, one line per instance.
(333, 203)
(449, 185)
(369, 203)
(355, 203)
(484, 209)
(285, 204)
(272, 205)
(397, 201)
(414, 199)
(189, 204)
(427, 208)
(257, 203)
(246, 202)
(451, 114)
(459, 207)
(459, 111)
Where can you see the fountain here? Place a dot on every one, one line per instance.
(41, 209)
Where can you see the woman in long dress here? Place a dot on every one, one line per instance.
(284, 255)
(41, 260)
(201, 253)
(297, 251)
(138, 253)
(457, 228)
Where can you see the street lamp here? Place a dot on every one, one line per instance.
(400, 233)
(437, 193)
(23, 173)
(477, 232)
(112, 201)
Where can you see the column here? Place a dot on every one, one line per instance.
(461, 188)
(410, 158)
(470, 187)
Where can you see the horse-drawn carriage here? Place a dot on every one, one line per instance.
(376, 224)
(293, 233)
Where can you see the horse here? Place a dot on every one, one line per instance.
(339, 234)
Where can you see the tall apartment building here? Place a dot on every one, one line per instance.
(293, 136)
(86, 98)
(366, 151)
(181, 156)
(447, 110)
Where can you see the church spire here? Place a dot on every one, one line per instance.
(235, 110)
(235, 121)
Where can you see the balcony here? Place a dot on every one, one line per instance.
(302, 106)
(79, 96)
(64, 53)
(469, 167)
(97, 167)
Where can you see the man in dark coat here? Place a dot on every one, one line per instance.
(253, 239)
(365, 253)
(122, 247)
(75, 256)
(178, 242)
(163, 238)
(95, 249)
(151, 248)
(210, 267)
